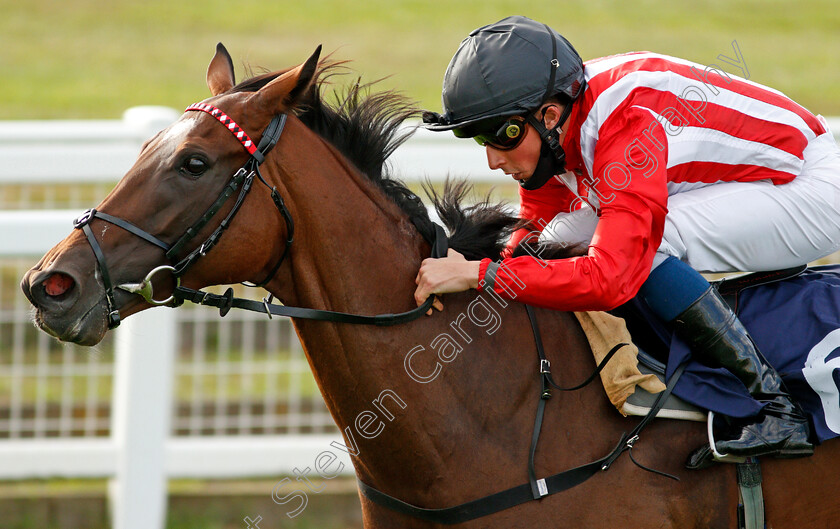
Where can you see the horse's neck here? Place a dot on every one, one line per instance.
(465, 395)
(354, 249)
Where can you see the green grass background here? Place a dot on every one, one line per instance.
(95, 58)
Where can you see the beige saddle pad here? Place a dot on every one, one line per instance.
(621, 375)
(630, 386)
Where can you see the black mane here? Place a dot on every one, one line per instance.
(365, 127)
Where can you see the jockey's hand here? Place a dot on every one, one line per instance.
(452, 273)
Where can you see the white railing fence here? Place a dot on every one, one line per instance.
(171, 393)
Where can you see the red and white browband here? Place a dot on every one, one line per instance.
(225, 120)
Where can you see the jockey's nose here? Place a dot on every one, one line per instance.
(495, 160)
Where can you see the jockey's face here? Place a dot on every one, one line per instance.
(521, 161)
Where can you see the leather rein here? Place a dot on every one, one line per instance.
(242, 180)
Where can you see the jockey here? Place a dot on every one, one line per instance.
(661, 168)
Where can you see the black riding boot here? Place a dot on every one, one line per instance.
(717, 338)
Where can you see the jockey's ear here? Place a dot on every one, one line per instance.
(283, 92)
(220, 76)
(551, 115)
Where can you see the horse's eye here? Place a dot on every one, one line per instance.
(194, 166)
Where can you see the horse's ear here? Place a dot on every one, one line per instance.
(220, 76)
(285, 90)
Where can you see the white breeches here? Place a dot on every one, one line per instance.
(750, 226)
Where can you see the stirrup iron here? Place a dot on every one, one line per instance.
(720, 458)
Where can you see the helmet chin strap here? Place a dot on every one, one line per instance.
(552, 159)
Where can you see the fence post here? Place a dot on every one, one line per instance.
(140, 421)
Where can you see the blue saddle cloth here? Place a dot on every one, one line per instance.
(796, 325)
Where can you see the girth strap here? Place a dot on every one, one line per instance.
(751, 508)
(535, 488)
(538, 487)
(488, 504)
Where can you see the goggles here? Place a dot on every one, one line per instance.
(506, 137)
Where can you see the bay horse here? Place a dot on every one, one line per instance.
(439, 410)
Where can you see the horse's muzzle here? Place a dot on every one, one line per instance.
(59, 308)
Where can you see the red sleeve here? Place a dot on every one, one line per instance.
(630, 182)
(540, 206)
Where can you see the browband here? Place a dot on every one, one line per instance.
(231, 125)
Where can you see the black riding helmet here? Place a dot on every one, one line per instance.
(505, 69)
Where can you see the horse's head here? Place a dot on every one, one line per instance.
(161, 214)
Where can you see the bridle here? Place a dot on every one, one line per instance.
(242, 180)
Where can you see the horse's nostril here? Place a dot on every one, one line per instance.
(58, 284)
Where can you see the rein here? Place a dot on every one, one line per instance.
(226, 301)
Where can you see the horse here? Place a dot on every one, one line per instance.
(437, 411)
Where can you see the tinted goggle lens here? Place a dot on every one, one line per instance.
(505, 137)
